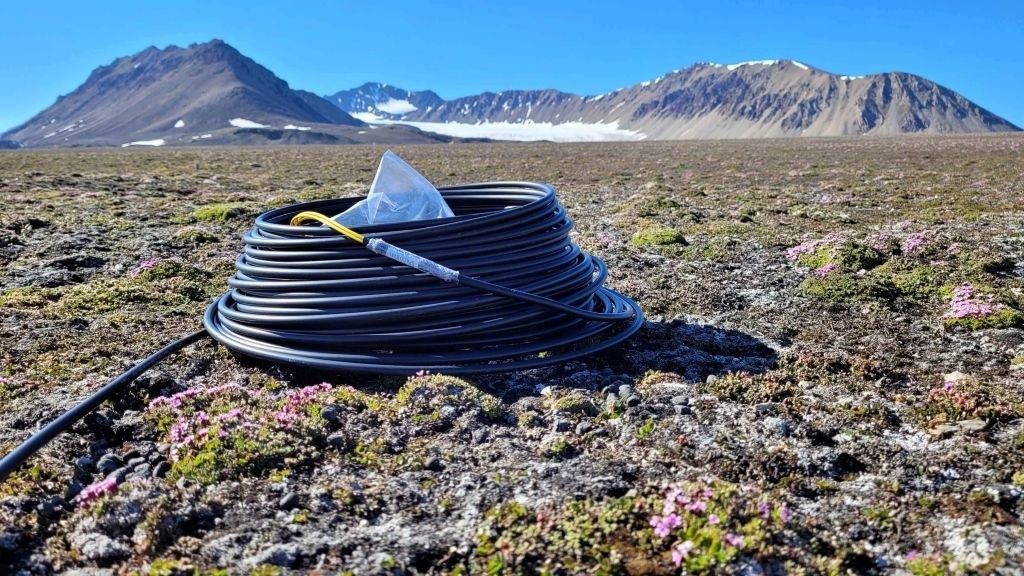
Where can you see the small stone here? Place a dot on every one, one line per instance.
(288, 501)
(51, 508)
(633, 401)
(132, 453)
(83, 463)
(682, 410)
(973, 425)
(625, 390)
(449, 412)
(142, 470)
(780, 425)
(561, 425)
(944, 430)
(161, 469)
(120, 474)
(108, 463)
(766, 408)
(183, 483)
(680, 400)
(711, 379)
(479, 435)
(583, 427)
(433, 464)
(331, 414)
(338, 440)
(136, 461)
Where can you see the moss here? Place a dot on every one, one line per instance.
(220, 212)
(528, 420)
(195, 237)
(919, 283)
(969, 398)
(658, 236)
(573, 403)
(842, 288)
(169, 284)
(425, 394)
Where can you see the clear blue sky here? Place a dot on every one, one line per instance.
(463, 47)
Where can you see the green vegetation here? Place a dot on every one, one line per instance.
(220, 212)
(658, 236)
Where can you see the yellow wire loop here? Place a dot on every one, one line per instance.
(307, 216)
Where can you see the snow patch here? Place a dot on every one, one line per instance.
(179, 124)
(751, 63)
(800, 65)
(158, 142)
(850, 77)
(294, 127)
(136, 66)
(202, 137)
(524, 132)
(393, 106)
(243, 123)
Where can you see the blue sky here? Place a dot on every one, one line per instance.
(463, 47)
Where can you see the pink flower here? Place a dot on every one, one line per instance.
(663, 525)
(681, 551)
(763, 510)
(698, 506)
(734, 540)
(713, 519)
(914, 241)
(785, 514)
(94, 491)
(913, 554)
(825, 270)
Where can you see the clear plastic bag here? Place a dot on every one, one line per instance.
(398, 194)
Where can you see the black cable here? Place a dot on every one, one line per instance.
(304, 295)
(19, 455)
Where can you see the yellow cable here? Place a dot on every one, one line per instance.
(307, 216)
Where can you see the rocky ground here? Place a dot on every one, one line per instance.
(830, 379)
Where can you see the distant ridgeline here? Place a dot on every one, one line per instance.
(210, 94)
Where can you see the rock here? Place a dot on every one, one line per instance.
(50, 508)
(780, 426)
(625, 390)
(108, 463)
(433, 464)
(161, 469)
(711, 379)
(944, 430)
(97, 546)
(120, 474)
(680, 400)
(338, 440)
(682, 410)
(973, 425)
(288, 501)
(479, 435)
(284, 555)
(449, 412)
(633, 401)
(136, 461)
(561, 425)
(331, 414)
(583, 427)
(766, 408)
(83, 463)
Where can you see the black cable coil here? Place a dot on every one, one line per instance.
(304, 295)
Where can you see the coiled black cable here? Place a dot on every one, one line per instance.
(304, 295)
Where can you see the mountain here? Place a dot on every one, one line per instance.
(207, 94)
(384, 101)
(772, 98)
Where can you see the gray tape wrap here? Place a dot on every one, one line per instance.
(409, 259)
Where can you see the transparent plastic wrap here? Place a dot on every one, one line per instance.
(398, 194)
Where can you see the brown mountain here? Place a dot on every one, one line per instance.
(752, 99)
(207, 94)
